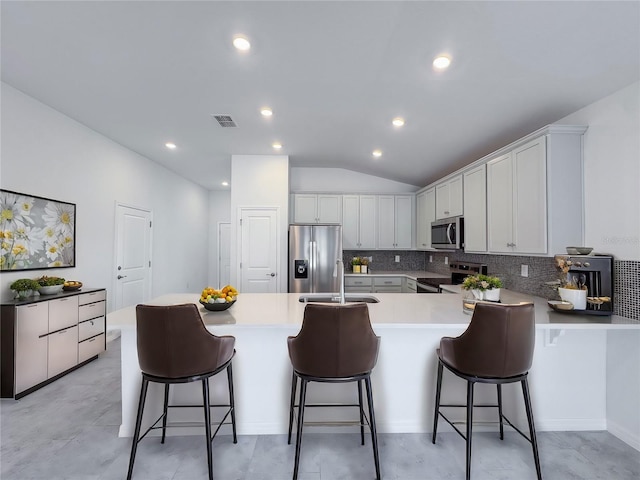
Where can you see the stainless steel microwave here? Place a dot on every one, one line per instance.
(448, 233)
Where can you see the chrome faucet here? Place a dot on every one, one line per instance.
(340, 270)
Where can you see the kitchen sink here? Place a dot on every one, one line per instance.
(326, 298)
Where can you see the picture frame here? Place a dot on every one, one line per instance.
(36, 233)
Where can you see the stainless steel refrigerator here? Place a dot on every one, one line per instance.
(313, 252)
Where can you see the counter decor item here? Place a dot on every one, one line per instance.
(571, 288)
(478, 288)
(355, 264)
(50, 285)
(24, 287)
(364, 265)
(71, 286)
(579, 250)
(217, 300)
(22, 217)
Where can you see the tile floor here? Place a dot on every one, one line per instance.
(69, 431)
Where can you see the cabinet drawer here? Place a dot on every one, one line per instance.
(90, 328)
(63, 313)
(63, 353)
(91, 310)
(92, 297)
(389, 289)
(90, 348)
(388, 281)
(357, 281)
(411, 285)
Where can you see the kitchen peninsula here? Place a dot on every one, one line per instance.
(568, 378)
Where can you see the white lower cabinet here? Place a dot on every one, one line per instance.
(90, 347)
(32, 326)
(63, 351)
(387, 285)
(410, 286)
(357, 284)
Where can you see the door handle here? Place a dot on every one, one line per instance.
(271, 274)
(121, 276)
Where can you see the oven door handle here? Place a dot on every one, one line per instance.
(428, 288)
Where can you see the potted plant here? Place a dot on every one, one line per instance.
(50, 285)
(364, 265)
(24, 287)
(483, 287)
(355, 264)
(571, 288)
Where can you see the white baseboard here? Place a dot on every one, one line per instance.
(630, 438)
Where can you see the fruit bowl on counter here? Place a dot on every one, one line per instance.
(50, 285)
(217, 300)
(71, 286)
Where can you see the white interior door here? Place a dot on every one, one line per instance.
(133, 256)
(259, 249)
(224, 254)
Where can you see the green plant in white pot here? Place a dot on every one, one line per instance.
(483, 287)
(24, 287)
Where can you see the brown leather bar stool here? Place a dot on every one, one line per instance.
(336, 344)
(496, 348)
(174, 346)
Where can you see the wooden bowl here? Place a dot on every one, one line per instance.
(72, 288)
(560, 305)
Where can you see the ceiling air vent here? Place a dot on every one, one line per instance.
(225, 121)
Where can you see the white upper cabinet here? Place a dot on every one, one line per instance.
(449, 198)
(475, 209)
(359, 216)
(317, 208)
(425, 214)
(516, 198)
(395, 218)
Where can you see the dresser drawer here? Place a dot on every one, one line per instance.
(91, 310)
(357, 281)
(90, 328)
(63, 313)
(92, 297)
(387, 281)
(90, 348)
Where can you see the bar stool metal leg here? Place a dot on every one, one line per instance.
(470, 386)
(372, 421)
(532, 430)
(207, 424)
(136, 433)
(232, 403)
(166, 411)
(303, 397)
(436, 413)
(361, 412)
(500, 410)
(294, 383)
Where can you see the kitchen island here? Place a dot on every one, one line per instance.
(568, 378)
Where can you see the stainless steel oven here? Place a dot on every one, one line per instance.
(459, 271)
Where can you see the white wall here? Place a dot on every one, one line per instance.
(260, 181)
(343, 181)
(612, 172)
(219, 211)
(47, 154)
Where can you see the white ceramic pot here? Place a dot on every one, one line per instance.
(356, 268)
(577, 297)
(364, 268)
(477, 294)
(492, 295)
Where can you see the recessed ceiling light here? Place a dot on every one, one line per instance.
(398, 121)
(241, 42)
(377, 153)
(170, 145)
(225, 184)
(266, 112)
(276, 145)
(441, 62)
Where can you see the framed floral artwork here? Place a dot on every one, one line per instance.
(36, 232)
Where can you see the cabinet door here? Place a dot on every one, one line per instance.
(442, 201)
(63, 313)
(386, 221)
(329, 208)
(32, 322)
(304, 210)
(368, 222)
(500, 204)
(475, 208)
(403, 221)
(530, 197)
(456, 196)
(63, 351)
(421, 222)
(350, 222)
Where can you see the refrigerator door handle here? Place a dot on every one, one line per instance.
(313, 262)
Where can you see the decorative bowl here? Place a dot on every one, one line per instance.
(572, 251)
(218, 306)
(584, 250)
(560, 305)
(50, 289)
(72, 288)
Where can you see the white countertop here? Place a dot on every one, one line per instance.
(394, 310)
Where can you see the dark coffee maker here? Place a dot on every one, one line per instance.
(596, 273)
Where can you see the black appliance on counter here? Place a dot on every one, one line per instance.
(459, 271)
(596, 273)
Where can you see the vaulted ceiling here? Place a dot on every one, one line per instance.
(335, 74)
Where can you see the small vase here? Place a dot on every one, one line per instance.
(22, 294)
(492, 295)
(364, 268)
(577, 297)
(469, 301)
(356, 268)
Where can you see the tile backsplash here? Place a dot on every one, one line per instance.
(507, 267)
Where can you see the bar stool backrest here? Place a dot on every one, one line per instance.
(335, 341)
(173, 342)
(498, 343)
